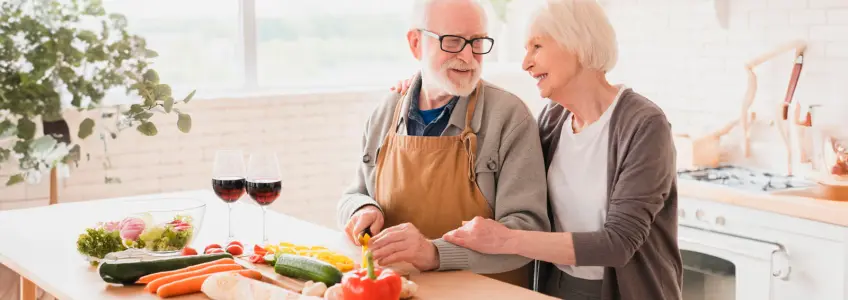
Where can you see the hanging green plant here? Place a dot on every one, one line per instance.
(60, 56)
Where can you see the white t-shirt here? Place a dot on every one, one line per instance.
(577, 182)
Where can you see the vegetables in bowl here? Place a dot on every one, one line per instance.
(167, 237)
(135, 232)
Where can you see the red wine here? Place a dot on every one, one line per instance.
(264, 192)
(229, 189)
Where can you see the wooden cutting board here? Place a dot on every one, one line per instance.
(296, 285)
(269, 276)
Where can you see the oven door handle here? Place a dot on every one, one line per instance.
(780, 266)
(779, 256)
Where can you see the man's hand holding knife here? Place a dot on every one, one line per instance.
(401, 243)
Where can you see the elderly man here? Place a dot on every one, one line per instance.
(452, 148)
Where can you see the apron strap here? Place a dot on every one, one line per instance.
(469, 138)
(396, 117)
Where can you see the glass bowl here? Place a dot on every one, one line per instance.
(161, 226)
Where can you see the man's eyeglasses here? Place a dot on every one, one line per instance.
(455, 44)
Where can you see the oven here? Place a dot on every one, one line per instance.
(719, 266)
(725, 255)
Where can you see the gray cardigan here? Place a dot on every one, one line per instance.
(638, 243)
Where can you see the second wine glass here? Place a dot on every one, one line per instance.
(264, 183)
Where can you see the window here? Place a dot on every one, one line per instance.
(303, 44)
(222, 47)
(198, 41)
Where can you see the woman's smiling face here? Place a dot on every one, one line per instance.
(549, 63)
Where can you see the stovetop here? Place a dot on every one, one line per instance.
(745, 178)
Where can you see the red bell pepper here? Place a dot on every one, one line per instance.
(371, 283)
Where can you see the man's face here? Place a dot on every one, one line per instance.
(454, 73)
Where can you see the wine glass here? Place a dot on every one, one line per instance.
(228, 181)
(263, 183)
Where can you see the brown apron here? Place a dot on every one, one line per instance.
(430, 182)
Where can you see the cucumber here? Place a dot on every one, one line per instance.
(270, 259)
(127, 273)
(307, 268)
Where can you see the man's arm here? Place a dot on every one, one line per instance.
(356, 195)
(521, 202)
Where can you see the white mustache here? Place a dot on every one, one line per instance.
(460, 65)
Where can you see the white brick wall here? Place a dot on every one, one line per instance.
(694, 64)
(829, 33)
(316, 138)
(837, 17)
(807, 17)
(787, 4)
(828, 4)
(675, 52)
(837, 50)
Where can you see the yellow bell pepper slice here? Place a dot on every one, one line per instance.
(364, 242)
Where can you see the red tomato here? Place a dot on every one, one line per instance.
(235, 243)
(259, 250)
(256, 259)
(189, 251)
(235, 250)
(213, 246)
(215, 250)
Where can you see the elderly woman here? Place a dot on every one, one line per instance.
(611, 171)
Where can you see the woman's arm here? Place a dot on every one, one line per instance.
(643, 185)
(553, 247)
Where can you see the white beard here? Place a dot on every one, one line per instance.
(440, 79)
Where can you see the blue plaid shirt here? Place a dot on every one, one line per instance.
(416, 126)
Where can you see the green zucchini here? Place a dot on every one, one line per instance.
(270, 259)
(128, 273)
(307, 268)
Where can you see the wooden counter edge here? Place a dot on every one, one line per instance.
(30, 283)
(819, 210)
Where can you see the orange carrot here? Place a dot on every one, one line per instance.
(155, 284)
(193, 284)
(150, 277)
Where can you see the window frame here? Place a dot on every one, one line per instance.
(248, 52)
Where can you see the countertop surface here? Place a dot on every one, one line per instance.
(794, 203)
(39, 243)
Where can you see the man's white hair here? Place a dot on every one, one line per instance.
(582, 27)
(421, 12)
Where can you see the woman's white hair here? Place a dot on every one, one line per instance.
(582, 27)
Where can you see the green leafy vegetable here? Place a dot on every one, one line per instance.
(97, 242)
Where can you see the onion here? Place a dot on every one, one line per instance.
(131, 228)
